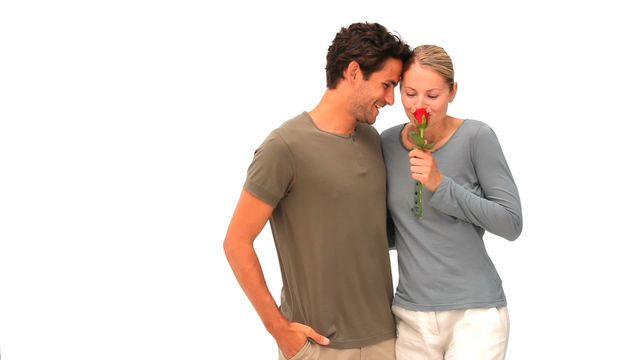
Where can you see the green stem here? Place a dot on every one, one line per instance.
(418, 209)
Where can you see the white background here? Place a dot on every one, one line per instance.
(127, 128)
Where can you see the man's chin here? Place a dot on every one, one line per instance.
(367, 120)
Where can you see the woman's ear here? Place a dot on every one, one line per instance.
(454, 91)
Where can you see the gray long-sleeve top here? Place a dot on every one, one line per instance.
(443, 263)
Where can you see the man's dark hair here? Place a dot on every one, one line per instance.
(369, 44)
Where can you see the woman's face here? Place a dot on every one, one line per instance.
(423, 87)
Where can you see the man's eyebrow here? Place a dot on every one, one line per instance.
(394, 83)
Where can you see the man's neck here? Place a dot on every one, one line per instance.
(333, 113)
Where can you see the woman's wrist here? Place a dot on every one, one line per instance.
(434, 182)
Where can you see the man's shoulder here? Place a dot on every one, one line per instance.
(296, 123)
(286, 129)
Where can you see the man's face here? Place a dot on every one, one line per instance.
(373, 94)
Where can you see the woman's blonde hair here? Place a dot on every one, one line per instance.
(434, 57)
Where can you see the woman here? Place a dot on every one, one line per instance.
(449, 302)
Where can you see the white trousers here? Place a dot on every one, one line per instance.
(470, 334)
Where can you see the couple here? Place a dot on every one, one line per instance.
(331, 187)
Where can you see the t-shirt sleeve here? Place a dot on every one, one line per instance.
(499, 211)
(271, 173)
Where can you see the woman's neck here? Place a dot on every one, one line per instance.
(438, 132)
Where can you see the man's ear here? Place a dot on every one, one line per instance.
(352, 71)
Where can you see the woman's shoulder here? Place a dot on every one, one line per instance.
(476, 128)
(474, 125)
(392, 132)
(480, 135)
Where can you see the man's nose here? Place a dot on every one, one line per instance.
(390, 97)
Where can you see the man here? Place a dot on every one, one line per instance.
(320, 180)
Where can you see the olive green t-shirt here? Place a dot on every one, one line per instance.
(329, 226)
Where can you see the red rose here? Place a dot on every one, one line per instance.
(422, 116)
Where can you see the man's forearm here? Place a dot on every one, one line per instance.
(246, 266)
